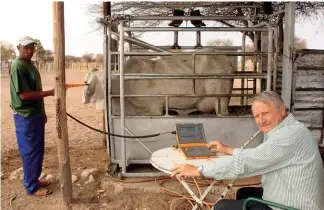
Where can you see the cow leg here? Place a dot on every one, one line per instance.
(220, 105)
(208, 105)
(224, 106)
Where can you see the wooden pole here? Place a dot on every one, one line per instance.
(60, 101)
(106, 12)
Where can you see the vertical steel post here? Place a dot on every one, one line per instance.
(270, 51)
(130, 46)
(122, 96)
(288, 50)
(108, 95)
(106, 12)
(243, 69)
(275, 59)
(198, 40)
(175, 40)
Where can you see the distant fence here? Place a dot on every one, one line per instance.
(69, 66)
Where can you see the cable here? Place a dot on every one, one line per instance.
(112, 134)
(179, 196)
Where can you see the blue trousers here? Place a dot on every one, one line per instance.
(30, 138)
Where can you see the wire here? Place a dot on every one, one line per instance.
(113, 134)
(180, 196)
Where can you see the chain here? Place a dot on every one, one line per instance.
(58, 118)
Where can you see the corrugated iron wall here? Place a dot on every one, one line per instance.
(308, 90)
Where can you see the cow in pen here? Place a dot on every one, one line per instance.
(179, 64)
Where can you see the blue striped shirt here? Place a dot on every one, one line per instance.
(289, 162)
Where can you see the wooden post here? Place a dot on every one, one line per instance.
(60, 101)
(106, 12)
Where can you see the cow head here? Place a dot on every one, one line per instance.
(94, 90)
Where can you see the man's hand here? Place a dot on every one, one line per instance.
(52, 92)
(35, 95)
(217, 146)
(185, 170)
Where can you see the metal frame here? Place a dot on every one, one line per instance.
(187, 6)
(132, 18)
(124, 162)
(227, 29)
(161, 51)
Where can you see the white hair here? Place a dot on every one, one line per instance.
(269, 97)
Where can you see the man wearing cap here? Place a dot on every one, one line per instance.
(27, 103)
(288, 160)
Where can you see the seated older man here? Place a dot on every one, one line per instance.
(288, 160)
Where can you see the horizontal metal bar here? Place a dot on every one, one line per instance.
(230, 53)
(184, 95)
(189, 18)
(147, 174)
(193, 47)
(225, 29)
(139, 161)
(186, 6)
(193, 76)
(180, 117)
(243, 88)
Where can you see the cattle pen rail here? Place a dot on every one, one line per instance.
(234, 130)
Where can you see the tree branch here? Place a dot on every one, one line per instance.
(240, 13)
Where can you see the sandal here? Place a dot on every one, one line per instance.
(43, 183)
(42, 192)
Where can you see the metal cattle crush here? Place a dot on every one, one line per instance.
(234, 130)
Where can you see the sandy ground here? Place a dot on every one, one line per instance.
(86, 151)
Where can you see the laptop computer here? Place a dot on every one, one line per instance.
(191, 141)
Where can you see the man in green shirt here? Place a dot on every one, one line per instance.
(27, 102)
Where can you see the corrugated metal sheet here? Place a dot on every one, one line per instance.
(308, 90)
(308, 99)
(310, 79)
(311, 118)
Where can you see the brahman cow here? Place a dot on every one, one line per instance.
(94, 92)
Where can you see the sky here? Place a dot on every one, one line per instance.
(35, 18)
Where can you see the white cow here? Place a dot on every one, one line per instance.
(94, 92)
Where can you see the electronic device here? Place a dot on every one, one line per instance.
(192, 142)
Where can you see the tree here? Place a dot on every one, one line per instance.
(48, 56)
(300, 43)
(87, 57)
(40, 51)
(220, 42)
(71, 58)
(99, 58)
(7, 51)
(303, 10)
